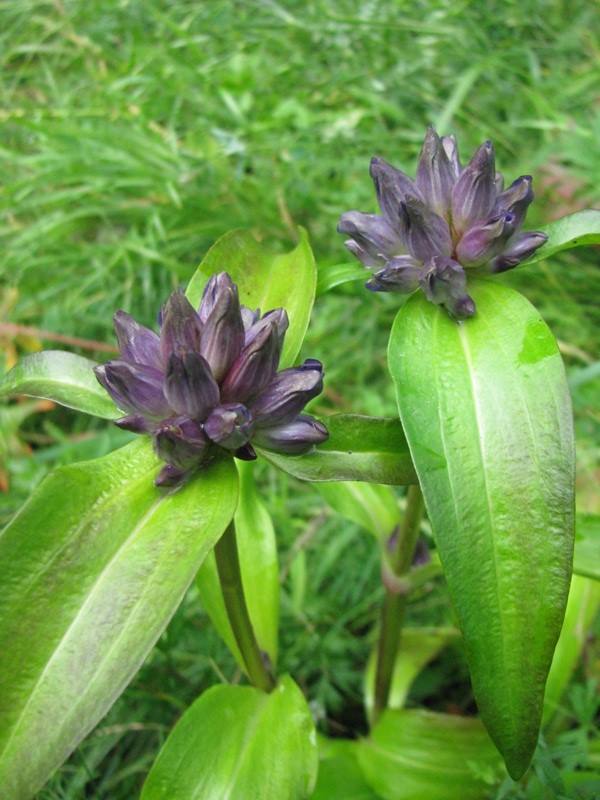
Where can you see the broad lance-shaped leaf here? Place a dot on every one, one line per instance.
(574, 230)
(370, 505)
(66, 378)
(238, 743)
(257, 549)
(358, 449)
(586, 560)
(265, 280)
(487, 415)
(91, 570)
(420, 755)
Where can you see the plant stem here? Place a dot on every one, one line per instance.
(392, 613)
(230, 576)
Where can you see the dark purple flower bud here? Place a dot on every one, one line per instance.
(215, 287)
(287, 394)
(435, 174)
(182, 443)
(445, 283)
(292, 438)
(230, 426)
(399, 275)
(485, 240)
(498, 183)
(523, 246)
(136, 423)
(249, 317)
(245, 453)
(392, 188)
(136, 343)
(189, 385)
(451, 150)
(426, 233)
(256, 364)
(474, 192)
(371, 236)
(276, 318)
(134, 387)
(181, 326)
(516, 199)
(222, 336)
(170, 476)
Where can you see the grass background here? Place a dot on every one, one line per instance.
(134, 134)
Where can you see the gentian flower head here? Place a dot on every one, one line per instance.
(209, 382)
(450, 222)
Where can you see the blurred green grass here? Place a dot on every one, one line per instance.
(134, 134)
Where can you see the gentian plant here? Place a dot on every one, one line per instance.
(97, 561)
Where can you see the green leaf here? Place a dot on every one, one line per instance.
(66, 378)
(420, 755)
(239, 743)
(358, 449)
(337, 274)
(92, 569)
(339, 776)
(373, 507)
(586, 560)
(257, 549)
(582, 607)
(418, 646)
(265, 281)
(575, 230)
(487, 414)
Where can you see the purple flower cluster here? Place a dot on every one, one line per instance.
(448, 221)
(210, 381)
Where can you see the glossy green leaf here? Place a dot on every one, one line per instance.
(92, 569)
(358, 449)
(582, 607)
(487, 414)
(418, 646)
(257, 549)
(420, 755)
(265, 281)
(238, 743)
(372, 506)
(337, 274)
(66, 378)
(575, 230)
(586, 560)
(339, 776)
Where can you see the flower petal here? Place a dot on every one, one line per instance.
(256, 364)
(516, 199)
(190, 386)
(485, 240)
(136, 388)
(374, 236)
(435, 174)
(522, 247)
(230, 426)
(399, 275)
(181, 326)
(136, 342)
(391, 187)
(222, 336)
(287, 393)
(427, 234)
(445, 283)
(292, 438)
(181, 443)
(474, 192)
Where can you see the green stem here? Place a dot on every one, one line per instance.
(230, 576)
(392, 613)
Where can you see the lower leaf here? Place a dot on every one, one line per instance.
(237, 742)
(487, 414)
(92, 569)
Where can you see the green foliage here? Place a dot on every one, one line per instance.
(224, 746)
(63, 377)
(487, 414)
(358, 449)
(93, 568)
